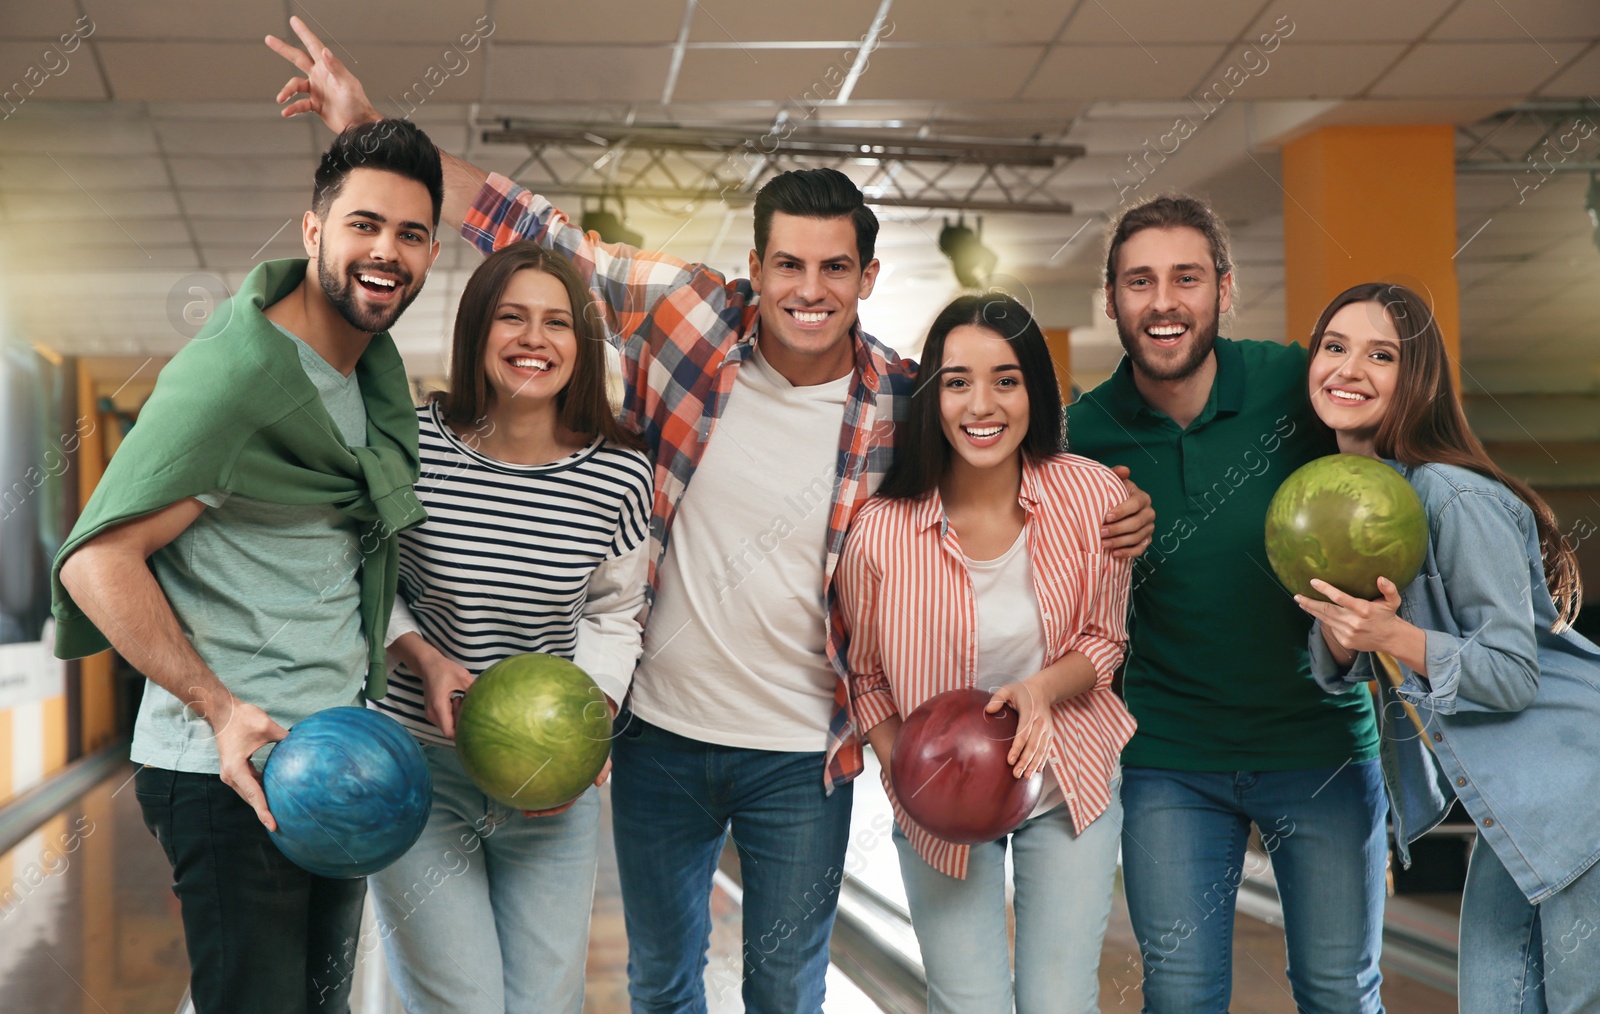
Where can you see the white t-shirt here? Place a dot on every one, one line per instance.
(1010, 631)
(735, 650)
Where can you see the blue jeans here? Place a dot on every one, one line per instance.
(1062, 901)
(1183, 856)
(672, 800)
(1521, 958)
(489, 911)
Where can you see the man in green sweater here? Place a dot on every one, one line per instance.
(1232, 729)
(240, 552)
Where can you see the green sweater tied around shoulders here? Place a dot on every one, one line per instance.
(235, 411)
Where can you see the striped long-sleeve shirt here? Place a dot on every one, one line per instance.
(683, 330)
(521, 558)
(907, 600)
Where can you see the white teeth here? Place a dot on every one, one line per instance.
(1166, 330)
(1348, 396)
(530, 363)
(809, 318)
(983, 431)
(387, 283)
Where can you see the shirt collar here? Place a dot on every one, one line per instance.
(1227, 389)
(929, 511)
(869, 362)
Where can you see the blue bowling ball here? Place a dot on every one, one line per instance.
(350, 791)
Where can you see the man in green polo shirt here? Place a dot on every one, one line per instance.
(1232, 729)
(240, 552)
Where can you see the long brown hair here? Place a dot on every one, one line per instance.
(1426, 424)
(583, 405)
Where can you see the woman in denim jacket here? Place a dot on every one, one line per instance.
(1493, 699)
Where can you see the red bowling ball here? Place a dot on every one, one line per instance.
(949, 769)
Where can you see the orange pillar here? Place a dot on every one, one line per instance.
(1370, 204)
(97, 687)
(1059, 341)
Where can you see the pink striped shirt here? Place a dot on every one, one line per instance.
(907, 601)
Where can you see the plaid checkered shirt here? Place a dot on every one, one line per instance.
(682, 331)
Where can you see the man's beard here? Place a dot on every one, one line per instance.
(345, 297)
(1202, 335)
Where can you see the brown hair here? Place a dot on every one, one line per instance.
(583, 405)
(1426, 424)
(1169, 211)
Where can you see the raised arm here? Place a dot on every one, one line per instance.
(110, 580)
(492, 211)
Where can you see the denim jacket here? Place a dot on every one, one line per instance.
(1511, 711)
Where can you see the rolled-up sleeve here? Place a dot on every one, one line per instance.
(1481, 549)
(1104, 635)
(859, 585)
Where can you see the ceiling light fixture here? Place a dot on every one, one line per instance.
(973, 262)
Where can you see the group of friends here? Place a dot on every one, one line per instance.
(787, 540)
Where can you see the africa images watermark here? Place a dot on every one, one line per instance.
(1252, 63)
(52, 62)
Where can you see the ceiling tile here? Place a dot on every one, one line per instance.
(183, 19)
(45, 20)
(597, 21)
(1143, 22)
(241, 174)
(1319, 71)
(1125, 72)
(39, 128)
(1349, 20)
(340, 24)
(70, 174)
(977, 73)
(267, 204)
(805, 76)
(963, 21)
(175, 71)
(39, 72)
(1580, 79)
(1452, 69)
(736, 21)
(69, 205)
(578, 73)
(1541, 20)
(208, 137)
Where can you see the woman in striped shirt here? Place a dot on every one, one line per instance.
(538, 512)
(979, 564)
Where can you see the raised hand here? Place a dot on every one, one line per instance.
(328, 87)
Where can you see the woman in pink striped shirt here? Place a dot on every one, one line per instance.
(979, 563)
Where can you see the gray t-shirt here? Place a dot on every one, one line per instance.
(269, 594)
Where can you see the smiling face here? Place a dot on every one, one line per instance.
(810, 283)
(1166, 299)
(374, 247)
(1354, 372)
(531, 349)
(983, 402)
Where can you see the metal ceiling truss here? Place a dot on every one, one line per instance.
(694, 165)
(1565, 138)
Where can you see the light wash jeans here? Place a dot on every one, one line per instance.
(1062, 902)
(489, 911)
(1521, 958)
(1183, 856)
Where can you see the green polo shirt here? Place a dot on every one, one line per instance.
(1217, 673)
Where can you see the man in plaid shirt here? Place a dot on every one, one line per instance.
(739, 719)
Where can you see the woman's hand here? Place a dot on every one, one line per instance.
(1035, 729)
(444, 685)
(1358, 624)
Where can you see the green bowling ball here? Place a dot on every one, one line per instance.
(1346, 519)
(534, 732)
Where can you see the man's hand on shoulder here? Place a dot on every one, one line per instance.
(328, 87)
(1128, 529)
